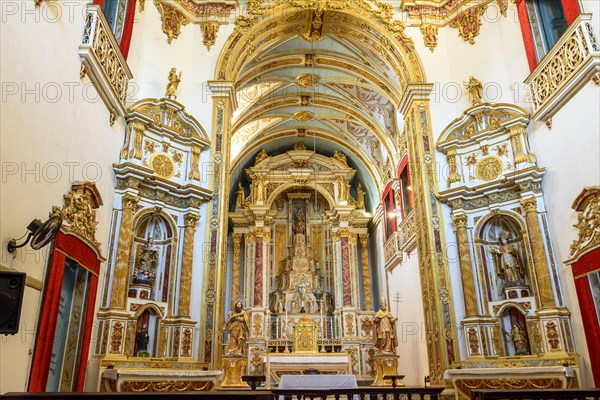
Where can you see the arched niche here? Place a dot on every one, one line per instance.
(151, 269)
(503, 255)
(514, 328)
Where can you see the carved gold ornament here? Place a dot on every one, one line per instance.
(209, 33)
(303, 116)
(163, 165)
(430, 36)
(468, 23)
(488, 168)
(166, 386)
(307, 80)
(587, 205)
(79, 211)
(467, 386)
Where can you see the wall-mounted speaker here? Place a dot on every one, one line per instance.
(12, 287)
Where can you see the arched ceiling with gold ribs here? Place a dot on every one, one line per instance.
(329, 73)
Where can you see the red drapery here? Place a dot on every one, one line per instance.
(526, 32)
(587, 264)
(571, 10)
(65, 246)
(128, 28)
(47, 323)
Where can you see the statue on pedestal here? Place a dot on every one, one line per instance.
(237, 326)
(144, 271)
(240, 198)
(384, 334)
(141, 340)
(508, 262)
(475, 90)
(360, 197)
(519, 339)
(174, 80)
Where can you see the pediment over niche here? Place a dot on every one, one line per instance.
(480, 122)
(167, 116)
(488, 154)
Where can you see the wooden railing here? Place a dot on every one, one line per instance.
(570, 64)
(367, 393)
(540, 394)
(103, 63)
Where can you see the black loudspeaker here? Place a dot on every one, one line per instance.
(12, 287)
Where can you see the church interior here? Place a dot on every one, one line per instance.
(228, 190)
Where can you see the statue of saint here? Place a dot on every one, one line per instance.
(509, 267)
(174, 80)
(384, 334)
(141, 340)
(299, 222)
(344, 188)
(237, 326)
(519, 339)
(360, 197)
(240, 197)
(145, 267)
(260, 157)
(341, 157)
(475, 90)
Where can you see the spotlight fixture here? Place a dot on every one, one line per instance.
(40, 234)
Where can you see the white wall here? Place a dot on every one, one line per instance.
(59, 120)
(412, 343)
(570, 152)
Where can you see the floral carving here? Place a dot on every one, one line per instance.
(468, 23)
(587, 205)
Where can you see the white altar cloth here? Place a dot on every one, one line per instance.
(318, 382)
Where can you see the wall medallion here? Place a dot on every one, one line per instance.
(489, 168)
(163, 165)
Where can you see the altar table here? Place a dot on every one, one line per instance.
(318, 382)
(280, 364)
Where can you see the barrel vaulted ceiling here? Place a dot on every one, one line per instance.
(324, 77)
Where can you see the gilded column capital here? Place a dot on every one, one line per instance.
(263, 232)
(237, 238)
(364, 239)
(344, 232)
(352, 238)
(529, 204)
(129, 201)
(460, 221)
(190, 220)
(249, 237)
(335, 236)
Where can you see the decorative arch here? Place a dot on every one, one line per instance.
(374, 18)
(159, 312)
(292, 185)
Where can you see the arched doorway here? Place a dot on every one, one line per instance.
(332, 75)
